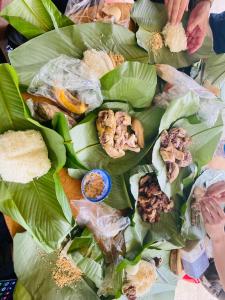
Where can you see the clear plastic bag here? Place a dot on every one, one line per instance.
(110, 11)
(106, 223)
(69, 83)
(210, 105)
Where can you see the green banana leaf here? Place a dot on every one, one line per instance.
(188, 230)
(20, 292)
(166, 230)
(35, 205)
(89, 151)
(132, 81)
(118, 197)
(73, 41)
(205, 140)
(214, 72)
(34, 272)
(60, 125)
(182, 107)
(34, 17)
(164, 288)
(152, 17)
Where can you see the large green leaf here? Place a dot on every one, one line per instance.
(89, 151)
(20, 292)
(34, 271)
(33, 205)
(133, 82)
(34, 17)
(166, 230)
(214, 72)
(73, 41)
(60, 124)
(182, 107)
(152, 17)
(197, 232)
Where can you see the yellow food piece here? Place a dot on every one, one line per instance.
(70, 102)
(156, 42)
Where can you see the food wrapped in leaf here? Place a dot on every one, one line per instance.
(151, 200)
(112, 11)
(157, 217)
(139, 279)
(101, 62)
(174, 151)
(165, 43)
(69, 83)
(118, 133)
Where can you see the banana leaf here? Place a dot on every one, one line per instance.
(34, 271)
(152, 17)
(182, 107)
(214, 72)
(197, 231)
(166, 230)
(166, 282)
(89, 151)
(73, 41)
(118, 197)
(132, 81)
(34, 205)
(34, 17)
(20, 292)
(60, 124)
(205, 140)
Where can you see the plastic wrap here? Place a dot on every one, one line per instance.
(110, 11)
(210, 106)
(69, 83)
(106, 223)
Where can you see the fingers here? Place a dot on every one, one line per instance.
(166, 2)
(182, 8)
(206, 215)
(169, 9)
(212, 212)
(176, 9)
(195, 40)
(216, 189)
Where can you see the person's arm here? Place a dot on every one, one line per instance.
(217, 25)
(214, 219)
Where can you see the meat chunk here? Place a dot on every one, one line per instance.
(151, 200)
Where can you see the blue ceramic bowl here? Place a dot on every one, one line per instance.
(107, 185)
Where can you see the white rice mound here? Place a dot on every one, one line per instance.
(175, 37)
(23, 156)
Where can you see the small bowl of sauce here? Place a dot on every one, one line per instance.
(96, 185)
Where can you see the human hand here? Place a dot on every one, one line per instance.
(176, 9)
(217, 190)
(197, 26)
(214, 218)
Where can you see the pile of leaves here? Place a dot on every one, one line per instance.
(42, 208)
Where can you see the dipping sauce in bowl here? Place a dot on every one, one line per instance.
(96, 185)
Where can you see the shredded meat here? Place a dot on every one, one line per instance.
(151, 200)
(173, 150)
(116, 134)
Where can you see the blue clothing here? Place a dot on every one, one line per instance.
(217, 24)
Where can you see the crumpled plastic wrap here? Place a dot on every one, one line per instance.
(210, 105)
(69, 83)
(110, 11)
(106, 223)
